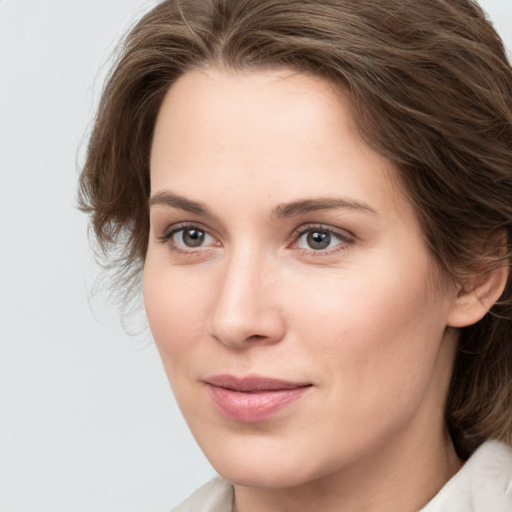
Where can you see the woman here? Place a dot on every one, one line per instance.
(318, 196)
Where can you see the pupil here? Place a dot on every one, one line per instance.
(193, 237)
(318, 240)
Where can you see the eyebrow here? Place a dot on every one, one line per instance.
(166, 198)
(310, 205)
(283, 210)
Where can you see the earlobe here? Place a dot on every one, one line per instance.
(476, 296)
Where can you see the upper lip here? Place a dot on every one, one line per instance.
(253, 383)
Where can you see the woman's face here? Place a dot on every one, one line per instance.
(300, 318)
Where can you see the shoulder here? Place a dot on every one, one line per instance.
(484, 484)
(214, 496)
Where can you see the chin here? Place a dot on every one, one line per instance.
(263, 477)
(264, 463)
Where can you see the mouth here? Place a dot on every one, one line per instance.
(253, 399)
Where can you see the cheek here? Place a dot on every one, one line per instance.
(373, 331)
(175, 310)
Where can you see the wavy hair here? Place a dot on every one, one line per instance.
(431, 89)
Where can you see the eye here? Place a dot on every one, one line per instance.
(184, 237)
(191, 237)
(321, 239)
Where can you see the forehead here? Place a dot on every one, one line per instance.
(247, 107)
(264, 130)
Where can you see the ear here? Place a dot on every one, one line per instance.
(476, 295)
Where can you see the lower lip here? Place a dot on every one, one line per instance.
(253, 407)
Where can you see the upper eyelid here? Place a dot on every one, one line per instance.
(344, 233)
(178, 226)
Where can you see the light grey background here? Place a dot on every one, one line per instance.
(87, 420)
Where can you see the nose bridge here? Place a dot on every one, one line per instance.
(245, 308)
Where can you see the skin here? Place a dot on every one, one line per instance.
(368, 321)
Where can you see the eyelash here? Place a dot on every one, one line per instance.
(344, 238)
(166, 238)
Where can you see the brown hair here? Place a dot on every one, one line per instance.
(431, 90)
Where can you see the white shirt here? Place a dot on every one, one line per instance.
(483, 484)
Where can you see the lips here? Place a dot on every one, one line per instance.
(253, 399)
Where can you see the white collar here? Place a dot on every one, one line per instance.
(483, 484)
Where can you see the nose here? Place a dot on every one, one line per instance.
(246, 308)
